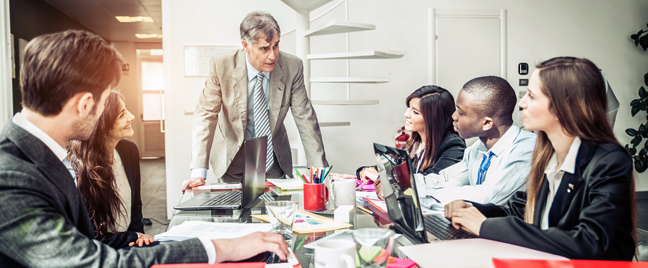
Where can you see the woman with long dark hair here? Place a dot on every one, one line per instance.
(580, 200)
(433, 144)
(108, 176)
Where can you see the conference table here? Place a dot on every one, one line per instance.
(304, 255)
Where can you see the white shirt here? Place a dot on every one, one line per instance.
(61, 153)
(122, 220)
(508, 171)
(554, 177)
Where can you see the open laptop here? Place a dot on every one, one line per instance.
(253, 183)
(403, 208)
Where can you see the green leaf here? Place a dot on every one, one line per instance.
(642, 92)
(646, 144)
(634, 110)
(636, 140)
(643, 41)
(633, 151)
(646, 79)
(631, 132)
(635, 102)
(639, 166)
(634, 37)
(643, 106)
(642, 128)
(643, 152)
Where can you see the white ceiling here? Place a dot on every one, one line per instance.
(99, 16)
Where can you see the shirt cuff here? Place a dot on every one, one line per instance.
(199, 172)
(209, 248)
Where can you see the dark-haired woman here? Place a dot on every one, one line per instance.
(433, 144)
(108, 176)
(579, 201)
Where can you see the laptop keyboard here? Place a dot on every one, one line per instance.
(440, 227)
(226, 199)
(267, 197)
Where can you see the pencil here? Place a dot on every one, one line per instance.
(300, 176)
(327, 171)
(300, 244)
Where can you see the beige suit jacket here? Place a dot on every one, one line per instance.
(220, 117)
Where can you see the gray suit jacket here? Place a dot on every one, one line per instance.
(225, 97)
(44, 222)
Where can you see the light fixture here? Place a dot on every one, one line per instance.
(148, 35)
(133, 19)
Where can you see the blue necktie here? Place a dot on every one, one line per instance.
(71, 170)
(483, 167)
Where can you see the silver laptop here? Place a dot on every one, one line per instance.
(253, 183)
(403, 207)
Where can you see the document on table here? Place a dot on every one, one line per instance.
(211, 230)
(287, 184)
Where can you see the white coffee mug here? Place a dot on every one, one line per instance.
(335, 253)
(344, 192)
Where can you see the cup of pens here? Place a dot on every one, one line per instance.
(315, 191)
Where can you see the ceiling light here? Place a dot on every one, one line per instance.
(148, 35)
(133, 19)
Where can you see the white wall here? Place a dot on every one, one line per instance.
(537, 30)
(6, 100)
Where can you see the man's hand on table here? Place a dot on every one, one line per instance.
(193, 182)
(250, 245)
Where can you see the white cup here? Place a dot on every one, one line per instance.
(344, 192)
(335, 253)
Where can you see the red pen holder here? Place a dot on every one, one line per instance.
(315, 196)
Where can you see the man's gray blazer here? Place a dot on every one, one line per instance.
(220, 117)
(44, 222)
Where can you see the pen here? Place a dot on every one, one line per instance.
(300, 244)
(300, 176)
(327, 171)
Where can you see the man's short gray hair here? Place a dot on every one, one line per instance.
(256, 22)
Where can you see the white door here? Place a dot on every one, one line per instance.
(151, 85)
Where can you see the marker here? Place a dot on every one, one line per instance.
(300, 175)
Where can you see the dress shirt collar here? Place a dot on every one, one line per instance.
(505, 141)
(569, 165)
(252, 73)
(22, 122)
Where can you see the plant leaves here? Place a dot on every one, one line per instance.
(643, 152)
(636, 140)
(643, 41)
(633, 151)
(634, 37)
(631, 132)
(646, 79)
(634, 110)
(635, 102)
(640, 166)
(642, 92)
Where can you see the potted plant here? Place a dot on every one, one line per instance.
(640, 157)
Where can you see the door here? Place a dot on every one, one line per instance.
(151, 90)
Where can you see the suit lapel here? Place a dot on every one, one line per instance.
(541, 202)
(240, 88)
(276, 93)
(49, 165)
(570, 184)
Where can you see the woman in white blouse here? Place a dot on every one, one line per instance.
(108, 176)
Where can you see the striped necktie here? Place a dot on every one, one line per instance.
(71, 170)
(261, 119)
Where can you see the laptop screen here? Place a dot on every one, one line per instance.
(395, 168)
(254, 169)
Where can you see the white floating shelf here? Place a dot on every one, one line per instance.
(349, 79)
(372, 54)
(334, 124)
(345, 102)
(189, 110)
(339, 26)
(305, 5)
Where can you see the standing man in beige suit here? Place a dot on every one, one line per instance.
(247, 95)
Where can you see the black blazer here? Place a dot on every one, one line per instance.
(43, 219)
(129, 155)
(451, 151)
(591, 221)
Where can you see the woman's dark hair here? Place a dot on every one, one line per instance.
(93, 166)
(437, 107)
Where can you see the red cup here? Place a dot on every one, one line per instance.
(315, 196)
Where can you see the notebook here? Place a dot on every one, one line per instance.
(253, 183)
(399, 188)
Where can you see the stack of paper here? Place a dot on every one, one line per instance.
(211, 230)
(288, 184)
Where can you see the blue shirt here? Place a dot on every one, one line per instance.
(508, 171)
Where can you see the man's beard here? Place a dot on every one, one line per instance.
(83, 128)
